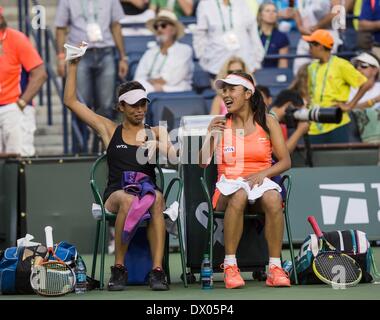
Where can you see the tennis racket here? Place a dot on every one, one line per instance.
(51, 276)
(332, 266)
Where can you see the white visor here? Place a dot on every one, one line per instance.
(235, 80)
(133, 96)
(367, 58)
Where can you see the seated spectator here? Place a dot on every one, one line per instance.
(167, 67)
(369, 66)
(313, 15)
(370, 21)
(265, 92)
(136, 11)
(224, 30)
(233, 64)
(273, 40)
(300, 83)
(179, 7)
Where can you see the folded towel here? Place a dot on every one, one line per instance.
(230, 186)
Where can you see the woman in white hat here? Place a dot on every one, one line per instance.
(243, 141)
(367, 64)
(167, 67)
(127, 145)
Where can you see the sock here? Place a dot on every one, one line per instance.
(275, 261)
(230, 260)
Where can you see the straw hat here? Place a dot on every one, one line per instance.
(169, 16)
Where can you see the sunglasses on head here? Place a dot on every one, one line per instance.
(232, 71)
(363, 65)
(161, 25)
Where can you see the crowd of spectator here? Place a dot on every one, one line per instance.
(227, 35)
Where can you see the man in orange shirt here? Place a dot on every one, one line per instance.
(17, 117)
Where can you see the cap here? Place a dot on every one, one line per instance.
(133, 96)
(321, 36)
(367, 58)
(235, 80)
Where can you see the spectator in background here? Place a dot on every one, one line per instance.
(97, 23)
(224, 29)
(168, 66)
(300, 83)
(367, 111)
(370, 21)
(330, 79)
(265, 92)
(179, 7)
(310, 16)
(289, 99)
(273, 40)
(136, 11)
(233, 64)
(368, 65)
(17, 116)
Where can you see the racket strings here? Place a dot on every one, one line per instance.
(53, 279)
(337, 268)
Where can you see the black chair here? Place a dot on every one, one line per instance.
(208, 181)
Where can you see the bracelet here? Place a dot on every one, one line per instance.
(124, 58)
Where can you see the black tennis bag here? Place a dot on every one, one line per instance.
(354, 243)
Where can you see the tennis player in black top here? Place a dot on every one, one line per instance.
(123, 143)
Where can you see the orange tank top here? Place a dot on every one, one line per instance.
(239, 156)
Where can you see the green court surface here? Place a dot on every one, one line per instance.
(254, 290)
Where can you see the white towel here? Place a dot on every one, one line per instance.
(73, 52)
(230, 186)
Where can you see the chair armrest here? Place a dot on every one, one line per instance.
(170, 186)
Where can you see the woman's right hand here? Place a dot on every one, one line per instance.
(218, 124)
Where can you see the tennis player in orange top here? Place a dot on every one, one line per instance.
(244, 141)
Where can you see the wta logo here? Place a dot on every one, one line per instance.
(355, 209)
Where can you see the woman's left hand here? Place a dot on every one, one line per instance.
(256, 179)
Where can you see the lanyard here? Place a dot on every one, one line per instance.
(222, 17)
(154, 63)
(314, 79)
(267, 41)
(95, 9)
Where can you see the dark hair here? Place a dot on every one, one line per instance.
(264, 90)
(125, 87)
(288, 96)
(257, 104)
(128, 86)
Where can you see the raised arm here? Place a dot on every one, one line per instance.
(103, 126)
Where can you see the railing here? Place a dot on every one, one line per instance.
(44, 38)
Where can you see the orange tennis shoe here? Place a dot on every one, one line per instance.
(232, 277)
(277, 277)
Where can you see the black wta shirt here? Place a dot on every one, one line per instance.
(123, 157)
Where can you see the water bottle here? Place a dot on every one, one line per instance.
(81, 277)
(206, 273)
